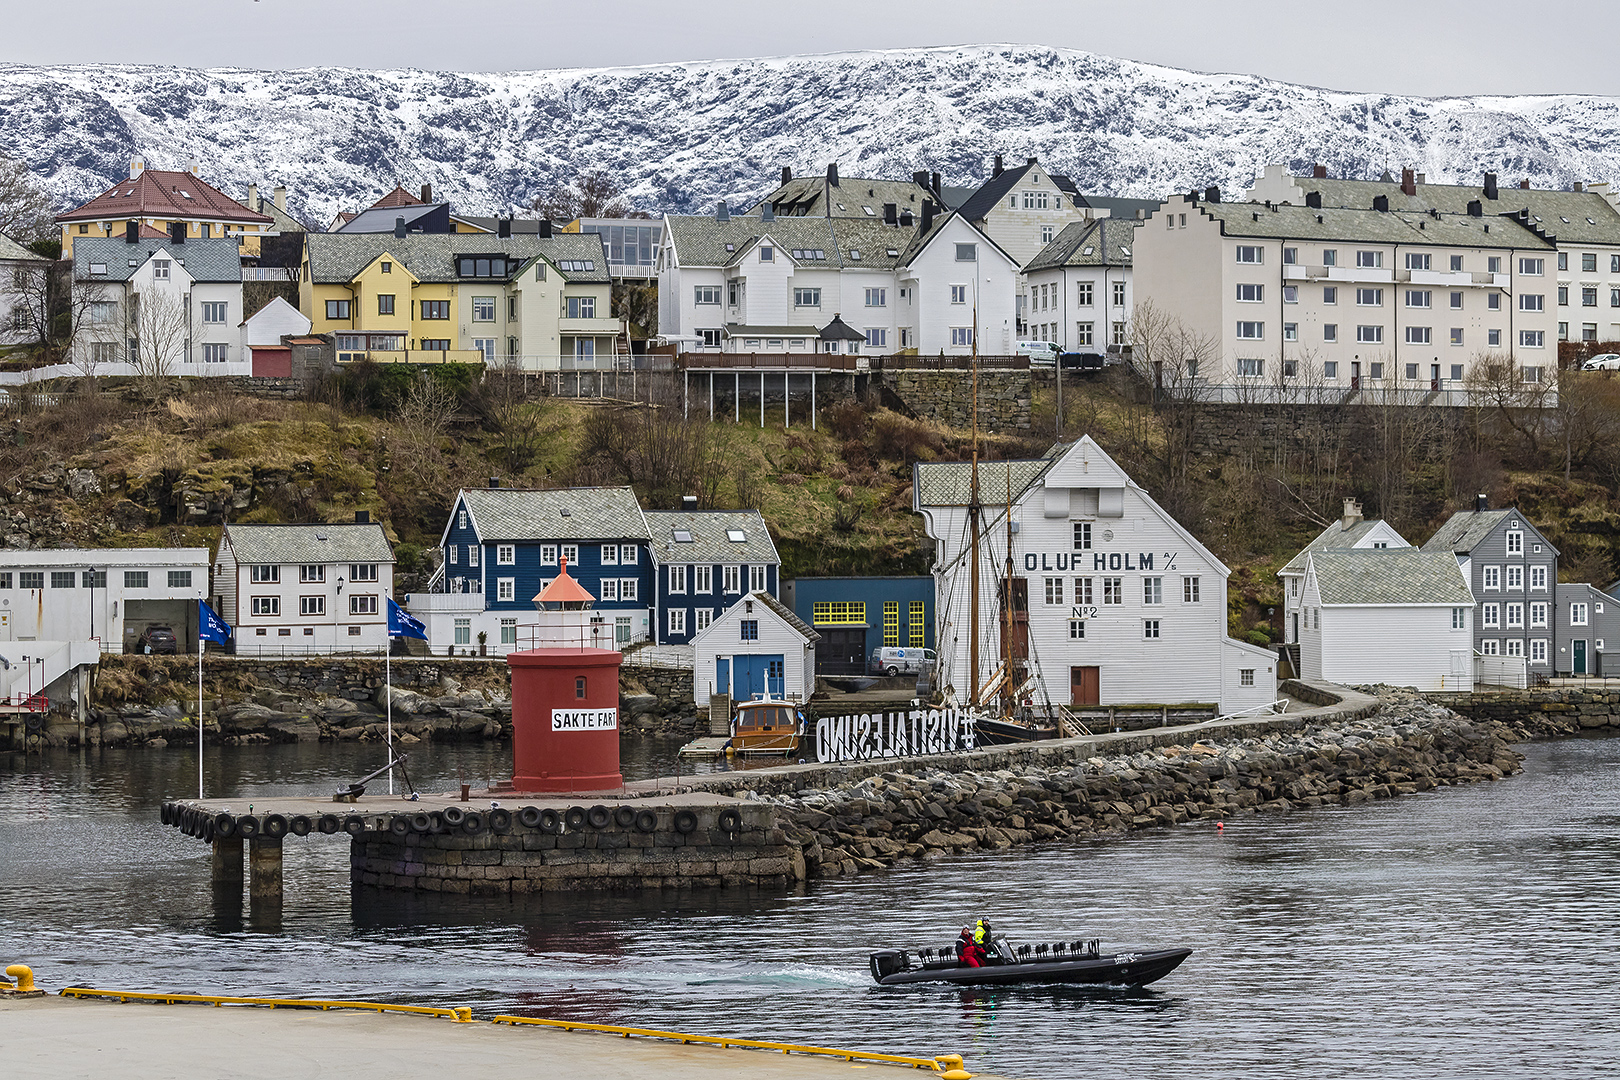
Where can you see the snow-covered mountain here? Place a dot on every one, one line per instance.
(681, 136)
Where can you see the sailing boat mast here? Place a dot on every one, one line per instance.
(1007, 610)
(973, 524)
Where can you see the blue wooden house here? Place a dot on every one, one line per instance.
(707, 560)
(501, 546)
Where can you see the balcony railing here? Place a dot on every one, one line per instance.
(427, 603)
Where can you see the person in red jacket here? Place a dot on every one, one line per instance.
(968, 952)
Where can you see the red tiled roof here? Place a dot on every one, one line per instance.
(158, 194)
(152, 232)
(398, 197)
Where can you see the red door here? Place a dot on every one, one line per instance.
(1085, 686)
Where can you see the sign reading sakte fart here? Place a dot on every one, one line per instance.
(584, 719)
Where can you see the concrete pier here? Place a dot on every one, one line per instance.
(264, 859)
(225, 868)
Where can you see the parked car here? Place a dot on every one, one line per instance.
(159, 641)
(1603, 362)
(1081, 361)
(893, 662)
(1040, 353)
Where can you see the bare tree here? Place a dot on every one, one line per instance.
(93, 328)
(593, 194)
(163, 337)
(25, 205)
(26, 292)
(1516, 397)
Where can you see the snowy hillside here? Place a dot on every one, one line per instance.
(681, 136)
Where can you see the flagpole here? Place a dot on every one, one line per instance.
(388, 697)
(199, 703)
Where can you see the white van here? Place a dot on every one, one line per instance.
(901, 661)
(1040, 353)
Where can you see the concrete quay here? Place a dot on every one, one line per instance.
(69, 1039)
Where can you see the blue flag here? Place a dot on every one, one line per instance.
(210, 627)
(402, 623)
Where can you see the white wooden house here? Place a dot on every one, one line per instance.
(306, 589)
(1350, 531)
(1387, 615)
(1113, 601)
(756, 646)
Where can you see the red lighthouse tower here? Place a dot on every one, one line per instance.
(565, 698)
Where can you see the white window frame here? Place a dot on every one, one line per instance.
(506, 589)
(505, 555)
(677, 620)
(677, 579)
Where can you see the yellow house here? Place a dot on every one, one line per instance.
(156, 201)
(529, 302)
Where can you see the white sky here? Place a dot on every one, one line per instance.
(1429, 47)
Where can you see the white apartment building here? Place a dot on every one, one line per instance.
(1113, 602)
(1583, 224)
(1258, 302)
(932, 283)
(159, 306)
(1078, 288)
(293, 590)
(109, 595)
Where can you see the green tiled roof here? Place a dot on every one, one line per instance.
(338, 257)
(1390, 576)
(949, 483)
(710, 532)
(604, 513)
(1571, 217)
(10, 249)
(1286, 222)
(702, 241)
(1088, 243)
(1334, 536)
(285, 545)
(205, 260)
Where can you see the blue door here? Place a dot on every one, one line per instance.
(722, 675)
(758, 674)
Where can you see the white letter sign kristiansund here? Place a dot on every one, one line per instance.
(584, 719)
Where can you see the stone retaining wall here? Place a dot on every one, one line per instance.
(947, 396)
(1552, 710)
(612, 858)
(658, 700)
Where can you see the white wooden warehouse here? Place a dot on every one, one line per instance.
(1118, 604)
(756, 646)
(1398, 615)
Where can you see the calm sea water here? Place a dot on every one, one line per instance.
(1464, 933)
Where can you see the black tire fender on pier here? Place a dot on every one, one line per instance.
(329, 824)
(599, 816)
(575, 817)
(275, 826)
(422, 821)
(224, 825)
(624, 816)
(299, 825)
(646, 821)
(550, 821)
(165, 812)
(354, 825)
(399, 824)
(529, 817)
(473, 823)
(453, 815)
(686, 822)
(247, 825)
(500, 820)
(208, 829)
(730, 820)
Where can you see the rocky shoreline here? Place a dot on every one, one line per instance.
(1405, 746)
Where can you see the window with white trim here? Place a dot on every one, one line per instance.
(1490, 616)
(702, 618)
(1491, 577)
(756, 579)
(703, 578)
(677, 620)
(1538, 615)
(609, 588)
(505, 589)
(731, 579)
(628, 587)
(1150, 629)
(610, 554)
(508, 631)
(1515, 577)
(1152, 591)
(1577, 614)
(677, 579)
(505, 554)
(1538, 650)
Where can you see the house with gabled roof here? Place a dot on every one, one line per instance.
(1110, 600)
(828, 195)
(1077, 289)
(1512, 571)
(1350, 531)
(306, 589)
(161, 200)
(756, 646)
(1395, 615)
(706, 559)
(25, 308)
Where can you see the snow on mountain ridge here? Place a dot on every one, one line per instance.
(682, 136)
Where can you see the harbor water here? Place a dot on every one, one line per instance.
(1466, 932)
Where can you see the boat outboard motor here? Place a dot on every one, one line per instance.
(888, 963)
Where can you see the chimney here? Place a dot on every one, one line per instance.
(722, 212)
(136, 167)
(907, 218)
(542, 228)
(1476, 208)
(891, 212)
(920, 178)
(1352, 514)
(494, 481)
(1381, 203)
(399, 228)
(1141, 215)
(1408, 186)
(927, 214)
(253, 197)
(1490, 186)
(934, 183)
(362, 517)
(132, 231)
(1313, 199)
(787, 176)
(1577, 186)
(192, 167)
(767, 212)
(832, 175)
(427, 193)
(997, 170)
(177, 232)
(689, 503)
(1212, 194)
(503, 228)
(1319, 172)
(1525, 184)
(1481, 504)
(1031, 161)
(278, 195)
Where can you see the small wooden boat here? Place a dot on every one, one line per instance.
(767, 725)
(1064, 962)
(1003, 732)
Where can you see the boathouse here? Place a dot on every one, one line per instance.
(1110, 602)
(1350, 531)
(756, 646)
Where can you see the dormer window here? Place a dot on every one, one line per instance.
(767, 253)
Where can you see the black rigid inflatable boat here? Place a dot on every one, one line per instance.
(1065, 962)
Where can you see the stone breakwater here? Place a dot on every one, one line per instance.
(1544, 712)
(1406, 746)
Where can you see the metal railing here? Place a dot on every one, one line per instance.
(461, 1014)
